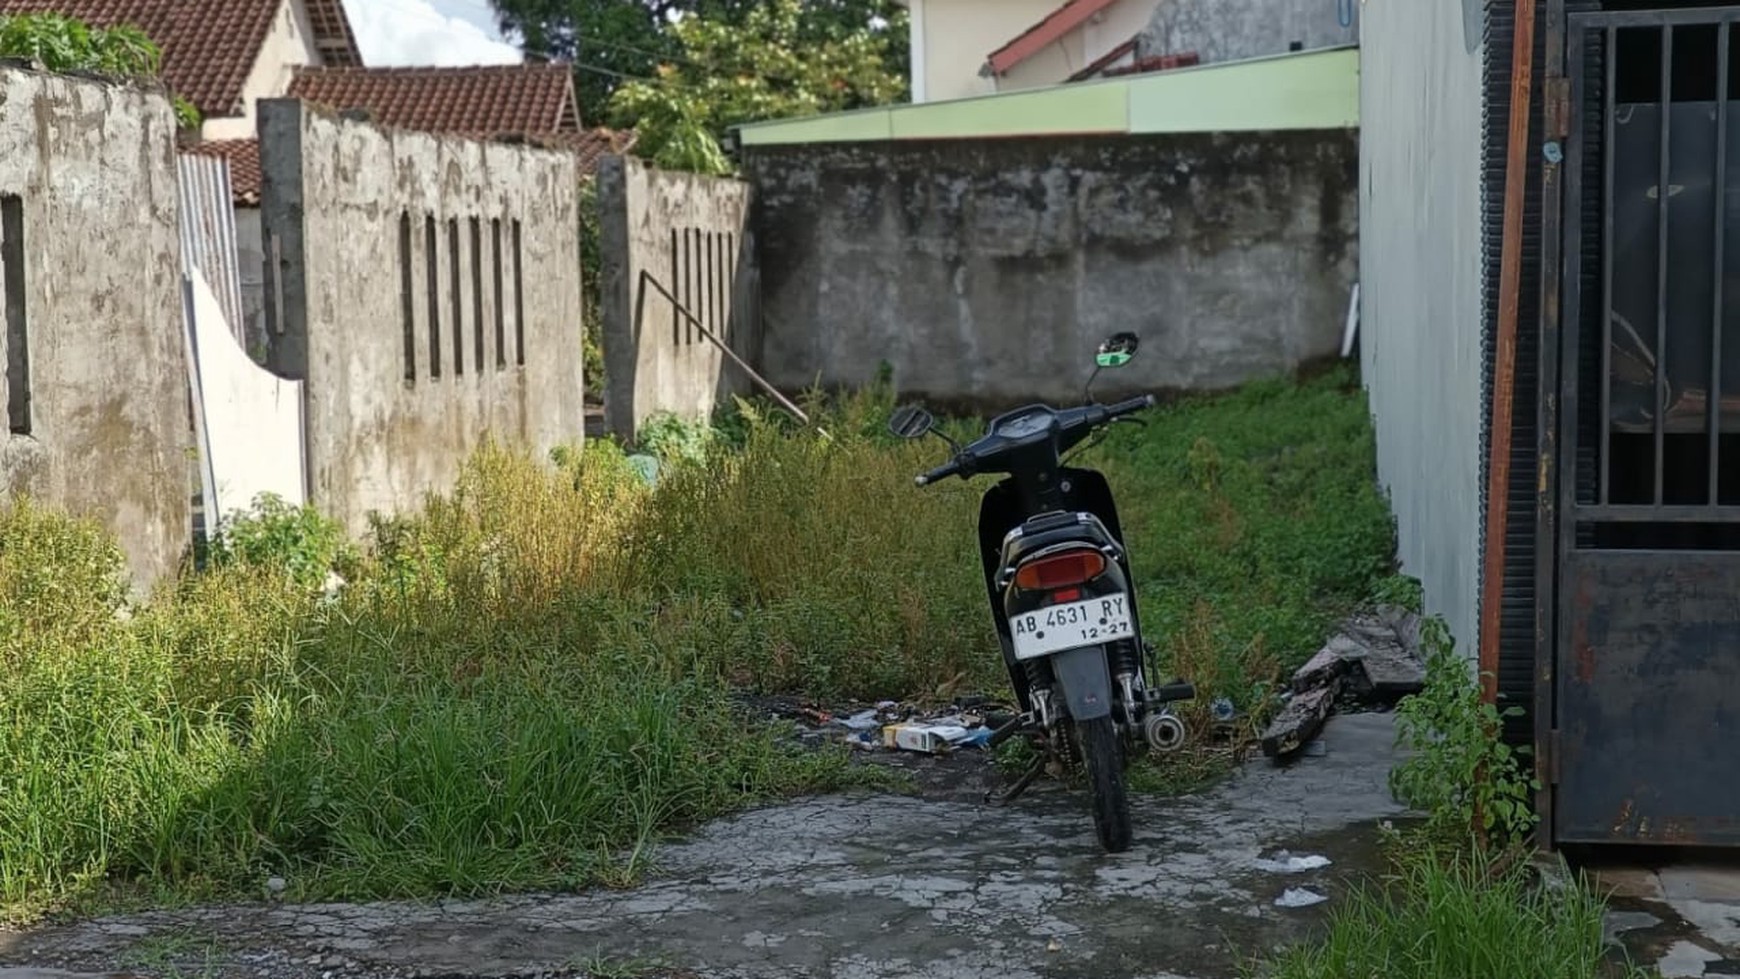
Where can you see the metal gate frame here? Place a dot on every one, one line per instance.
(1611, 599)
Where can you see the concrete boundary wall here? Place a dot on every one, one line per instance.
(985, 271)
(95, 385)
(430, 297)
(689, 234)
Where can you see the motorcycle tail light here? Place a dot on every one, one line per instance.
(1061, 570)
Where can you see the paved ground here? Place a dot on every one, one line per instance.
(846, 887)
(1683, 920)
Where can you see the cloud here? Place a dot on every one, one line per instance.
(428, 32)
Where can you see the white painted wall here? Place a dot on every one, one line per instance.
(249, 420)
(951, 40)
(1420, 300)
(954, 37)
(289, 46)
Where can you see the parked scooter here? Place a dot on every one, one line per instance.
(1057, 576)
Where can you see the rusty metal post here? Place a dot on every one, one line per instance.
(1556, 132)
(1504, 364)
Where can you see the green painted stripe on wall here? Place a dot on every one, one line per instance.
(1103, 108)
(1308, 90)
(1313, 90)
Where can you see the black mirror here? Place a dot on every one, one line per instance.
(1117, 350)
(910, 422)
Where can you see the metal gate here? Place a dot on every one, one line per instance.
(1646, 652)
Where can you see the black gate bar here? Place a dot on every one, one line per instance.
(1720, 188)
(1609, 112)
(1658, 508)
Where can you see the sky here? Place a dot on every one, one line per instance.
(428, 32)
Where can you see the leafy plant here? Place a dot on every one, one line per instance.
(1461, 773)
(1400, 590)
(766, 64)
(591, 267)
(62, 43)
(672, 437)
(65, 44)
(187, 116)
(299, 541)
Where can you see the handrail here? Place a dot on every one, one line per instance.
(646, 278)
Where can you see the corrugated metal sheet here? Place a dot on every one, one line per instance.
(208, 232)
(1517, 640)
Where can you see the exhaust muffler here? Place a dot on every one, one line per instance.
(1164, 732)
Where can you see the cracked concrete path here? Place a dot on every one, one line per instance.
(850, 886)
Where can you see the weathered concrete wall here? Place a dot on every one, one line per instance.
(1420, 316)
(986, 271)
(251, 263)
(431, 299)
(1232, 30)
(689, 234)
(96, 383)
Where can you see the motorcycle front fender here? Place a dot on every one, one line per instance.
(1084, 681)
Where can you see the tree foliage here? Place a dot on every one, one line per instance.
(63, 44)
(691, 67)
(778, 60)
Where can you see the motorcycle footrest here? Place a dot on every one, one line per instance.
(1173, 692)
(1009, 729)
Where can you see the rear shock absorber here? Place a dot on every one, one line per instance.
(1125, 659)
(1039, 676)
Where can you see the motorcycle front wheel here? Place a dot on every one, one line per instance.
(1103, 757)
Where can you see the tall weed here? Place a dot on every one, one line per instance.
(526, 680)
(1467, 918)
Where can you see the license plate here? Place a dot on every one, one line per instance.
(1059, 627)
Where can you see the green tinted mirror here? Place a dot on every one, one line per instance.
(1117, 350)
(910, 422)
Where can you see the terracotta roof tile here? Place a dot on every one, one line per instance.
(527, 98)
(244, 159)
(244, 155)
(209, 46)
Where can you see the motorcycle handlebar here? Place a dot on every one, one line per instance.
(941, 472)
(1097, 417)
(1131, 406)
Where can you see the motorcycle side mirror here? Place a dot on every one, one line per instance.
(910, 422)
(1117, 350)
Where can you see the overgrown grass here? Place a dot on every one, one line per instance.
(1464, 917)
(1256, 525)
(526, 681)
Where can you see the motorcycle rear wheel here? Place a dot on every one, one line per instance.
(1103, 756)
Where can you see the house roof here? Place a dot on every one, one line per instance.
(1159, 62)
(244, 155)
(244, 159)
(1104, 61)
(1036, 38)
(209, 46)
(515, 99)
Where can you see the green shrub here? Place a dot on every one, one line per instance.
(1460, 771)
(299, 542)
(62, 43)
